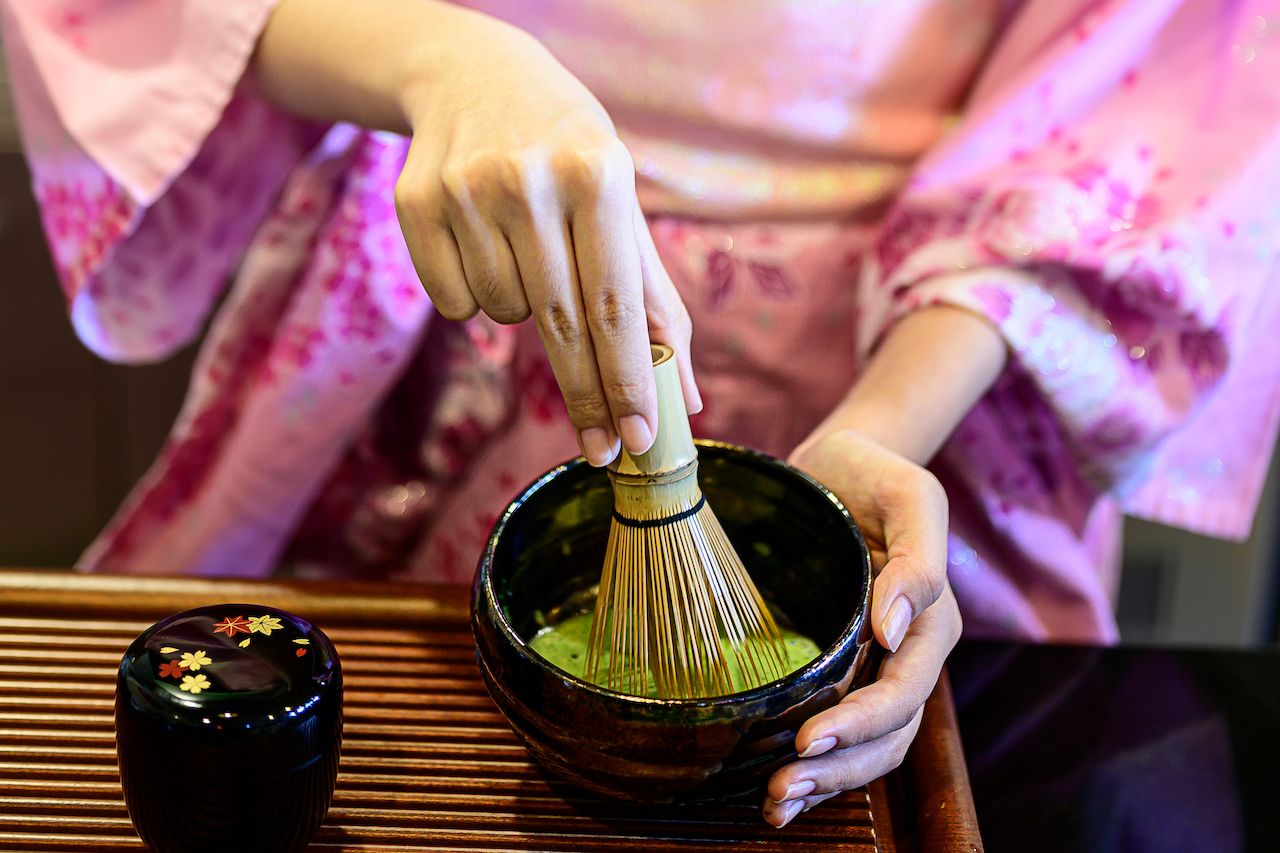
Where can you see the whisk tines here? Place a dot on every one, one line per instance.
(677, 615)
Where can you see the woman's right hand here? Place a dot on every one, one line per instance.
(518, 199)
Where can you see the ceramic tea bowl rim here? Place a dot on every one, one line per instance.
(851, 633)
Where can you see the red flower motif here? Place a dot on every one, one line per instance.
(172, 669)
(773, 282)
(232, 625)
(720, 275)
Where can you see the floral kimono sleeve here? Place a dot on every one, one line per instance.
(141, 135)
(1109, 200)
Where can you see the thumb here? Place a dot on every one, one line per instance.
(904, 589)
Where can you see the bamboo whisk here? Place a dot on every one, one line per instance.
(675, 603)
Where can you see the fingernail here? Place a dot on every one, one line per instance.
(819, 746)
(596, 446)
(796, 790)
(636, 434)
(789, 811)
(896, 622)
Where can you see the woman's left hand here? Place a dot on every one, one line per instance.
(902, 511)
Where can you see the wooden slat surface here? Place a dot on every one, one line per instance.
(428, 763)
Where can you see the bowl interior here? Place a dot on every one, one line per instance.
(793, 536)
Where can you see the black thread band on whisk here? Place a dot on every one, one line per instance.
(659, 522)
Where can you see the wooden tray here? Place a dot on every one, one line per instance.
(428, 763)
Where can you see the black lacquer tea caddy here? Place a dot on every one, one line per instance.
(228, 730)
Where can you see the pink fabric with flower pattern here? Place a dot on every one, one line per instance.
(1096, 177)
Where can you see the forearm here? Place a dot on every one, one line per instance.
(366, 62)
(929, 372)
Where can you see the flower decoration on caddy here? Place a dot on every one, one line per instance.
(186, 667)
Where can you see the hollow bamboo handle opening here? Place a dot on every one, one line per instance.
(673, 442)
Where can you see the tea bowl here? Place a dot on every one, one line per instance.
(805, 554)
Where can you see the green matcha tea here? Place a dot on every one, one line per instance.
(565, 644)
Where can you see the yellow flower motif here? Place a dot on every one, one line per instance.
(193, 661)
(194, 683)
(264, 624)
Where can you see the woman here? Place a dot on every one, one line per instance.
(1034, 259)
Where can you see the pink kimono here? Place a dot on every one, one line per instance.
(1100, 178)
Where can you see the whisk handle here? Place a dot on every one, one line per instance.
(673, 443)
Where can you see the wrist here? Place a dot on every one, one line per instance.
(874, 419)
(928, 373)
(437, 73)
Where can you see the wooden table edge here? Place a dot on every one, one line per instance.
(934, 778)
(937, 779)
(361, 601)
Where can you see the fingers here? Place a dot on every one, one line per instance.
(915, 572)
(493, 276)
(869, 732)
(556, 234)
(432, 245)
(898, 503)
(780, 814)
(609, 273)
(545, 253)
(804, 784)
(906, 680)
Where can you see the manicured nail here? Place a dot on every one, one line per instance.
(789, 811)
(819, 746)
(796, 790)
(697, 401)
(896, 622)
(596, 446)
(636, 435)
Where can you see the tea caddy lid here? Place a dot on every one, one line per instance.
(231, 673)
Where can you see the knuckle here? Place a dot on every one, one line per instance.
(927, 489)
(929, 585)
(585, 407)
(518, 180)
(587, 170)
(485, 175)
(850, 725)
(913, 690)
(450, 301)
(560, 326)
(405, 199)
(454, 182)
(613, 316)
(510, 313)
(489, 290)
(674, 324)
(841, 775)
(452, 308)
(910, 577)
(412, 203)
(625, 391)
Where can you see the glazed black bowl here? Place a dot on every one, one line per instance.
(805, 554)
